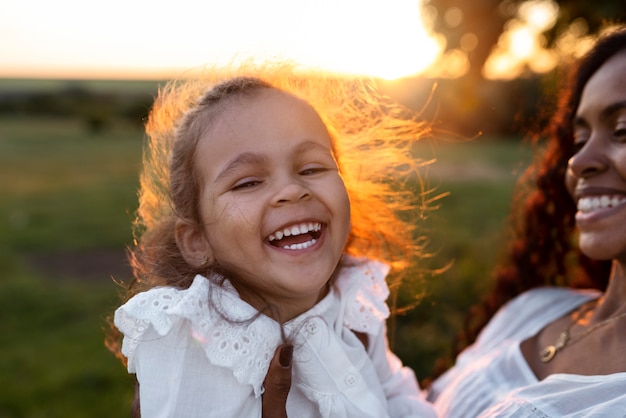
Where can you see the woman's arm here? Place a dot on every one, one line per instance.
(135, 409)
(277, 383)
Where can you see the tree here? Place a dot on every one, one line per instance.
(475, 27)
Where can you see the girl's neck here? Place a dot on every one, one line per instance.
(280, 309)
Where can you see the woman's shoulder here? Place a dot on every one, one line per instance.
(532, 310)
(540, 298)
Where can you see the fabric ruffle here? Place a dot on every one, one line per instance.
(236, 336)
(364, 285)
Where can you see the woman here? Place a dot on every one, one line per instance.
(555, 351)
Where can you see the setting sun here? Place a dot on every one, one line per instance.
(155, 39)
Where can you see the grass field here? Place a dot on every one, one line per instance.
(467, 230)
(67, 201)
(8, 85)
(66, 195)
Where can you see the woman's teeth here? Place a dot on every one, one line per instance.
(591, 203)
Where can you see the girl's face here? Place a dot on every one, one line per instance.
(596, 175)
(275, 210)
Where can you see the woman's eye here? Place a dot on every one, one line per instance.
(577, 146)
(580, 138)
(620, 133)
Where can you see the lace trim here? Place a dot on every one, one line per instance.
(247, 342)
(365, 285)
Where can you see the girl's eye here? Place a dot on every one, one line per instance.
(312, 170)
(248, 184)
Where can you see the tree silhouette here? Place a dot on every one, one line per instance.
(485, 20)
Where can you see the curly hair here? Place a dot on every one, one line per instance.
(372, 141)
(543, 249)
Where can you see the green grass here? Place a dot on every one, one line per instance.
(53, 361)
(67, 191)
(65, 188)
(468, 230)
(56, 85)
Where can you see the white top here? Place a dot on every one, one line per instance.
(566, 395)
(492, 379)
(191, 361)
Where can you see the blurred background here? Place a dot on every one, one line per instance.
(77, 80)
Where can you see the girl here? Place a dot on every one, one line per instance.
(265, 207)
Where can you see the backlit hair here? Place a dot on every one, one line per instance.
(372, 139)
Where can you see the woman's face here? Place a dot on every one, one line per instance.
(596, 175)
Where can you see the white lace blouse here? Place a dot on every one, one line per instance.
(193, 362)
(492, 379)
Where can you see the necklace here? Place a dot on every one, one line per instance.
(566, 339)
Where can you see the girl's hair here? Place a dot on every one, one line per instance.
(543, 249)
(372, 140)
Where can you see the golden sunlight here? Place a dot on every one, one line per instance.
(381, 38)
(522, 44)
(539, 14)
(375, 38)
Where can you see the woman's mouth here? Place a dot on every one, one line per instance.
(589, 204)
(296, 237)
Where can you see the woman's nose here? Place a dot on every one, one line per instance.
(591, 159)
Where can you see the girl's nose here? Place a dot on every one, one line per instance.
(291, 192)
(591, 159)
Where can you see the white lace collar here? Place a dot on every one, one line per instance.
(246, 341)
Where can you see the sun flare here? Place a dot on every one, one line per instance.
(375, 38)
(380, 38)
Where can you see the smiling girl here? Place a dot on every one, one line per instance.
(266, 208)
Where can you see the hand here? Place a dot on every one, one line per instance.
(277, 383)
(135, 410)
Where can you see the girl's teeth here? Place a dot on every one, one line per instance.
(300, 246)
(295, 230)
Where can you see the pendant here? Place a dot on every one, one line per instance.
(548, 353)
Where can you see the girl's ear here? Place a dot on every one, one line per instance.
(193, 244)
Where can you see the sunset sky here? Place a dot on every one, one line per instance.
(156, 39)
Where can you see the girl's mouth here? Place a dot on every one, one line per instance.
(297, 236)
